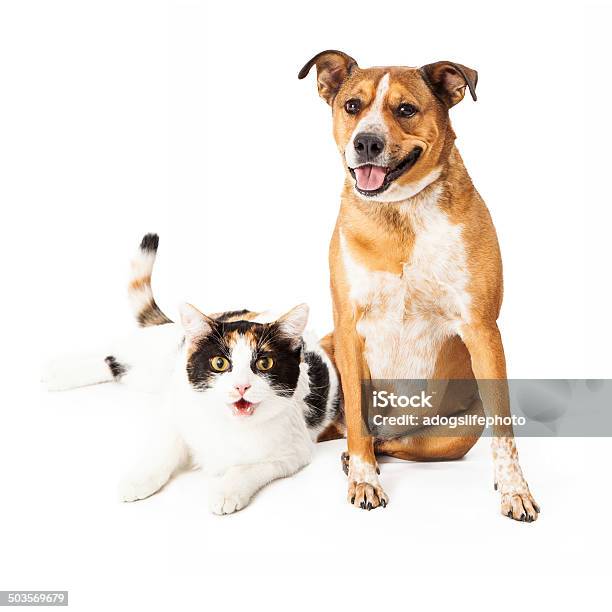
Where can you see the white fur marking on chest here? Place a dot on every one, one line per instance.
(408, 316)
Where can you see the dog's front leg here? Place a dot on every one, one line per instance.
(484, 343)
(364, 490)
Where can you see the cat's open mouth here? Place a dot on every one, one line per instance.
(243, 408)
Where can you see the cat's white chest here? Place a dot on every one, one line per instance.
(408, 316)
(218, 442)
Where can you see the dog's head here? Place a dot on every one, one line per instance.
(391, 124)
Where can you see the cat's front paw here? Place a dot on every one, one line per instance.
(139, 486)
(223, 500)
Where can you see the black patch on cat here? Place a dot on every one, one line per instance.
(283, 376)
(150, 242)
(318, 377)
(336, 408)
(231, 314)
(117, 369)
(269, 342)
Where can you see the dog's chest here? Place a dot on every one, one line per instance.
(406, 317)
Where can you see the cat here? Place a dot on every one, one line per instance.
(244, 397)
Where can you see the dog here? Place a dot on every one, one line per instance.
(416, 272)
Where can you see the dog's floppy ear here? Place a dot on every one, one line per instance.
(332, 69)
(448, 81)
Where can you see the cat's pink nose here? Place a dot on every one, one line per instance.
(242, 389)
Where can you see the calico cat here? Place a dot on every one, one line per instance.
(243, 396)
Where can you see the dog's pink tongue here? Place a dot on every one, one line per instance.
(370, 178)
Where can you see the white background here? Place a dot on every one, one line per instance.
(187, 118)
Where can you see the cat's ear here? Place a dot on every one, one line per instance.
(293, 324)
(196, 324)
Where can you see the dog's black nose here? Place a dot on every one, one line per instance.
(368, 146)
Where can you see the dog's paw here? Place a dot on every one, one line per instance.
(364, 490)
(139, 486)
(366, 496)
(226, 501)
(519, 505)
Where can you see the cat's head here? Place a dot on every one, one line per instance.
(248, 368)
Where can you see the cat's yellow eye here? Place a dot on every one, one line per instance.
(264, 364)
(219, 364)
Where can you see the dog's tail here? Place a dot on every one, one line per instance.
(145, 309)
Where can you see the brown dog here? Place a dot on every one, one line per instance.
(416, 272)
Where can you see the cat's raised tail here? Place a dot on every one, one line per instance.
(140, 294)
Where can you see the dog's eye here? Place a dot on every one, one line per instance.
(406, 110)
(265, 363)
(219, 364)
(353, 106)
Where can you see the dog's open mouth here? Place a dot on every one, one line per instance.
(243, 408)
(371, 180)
